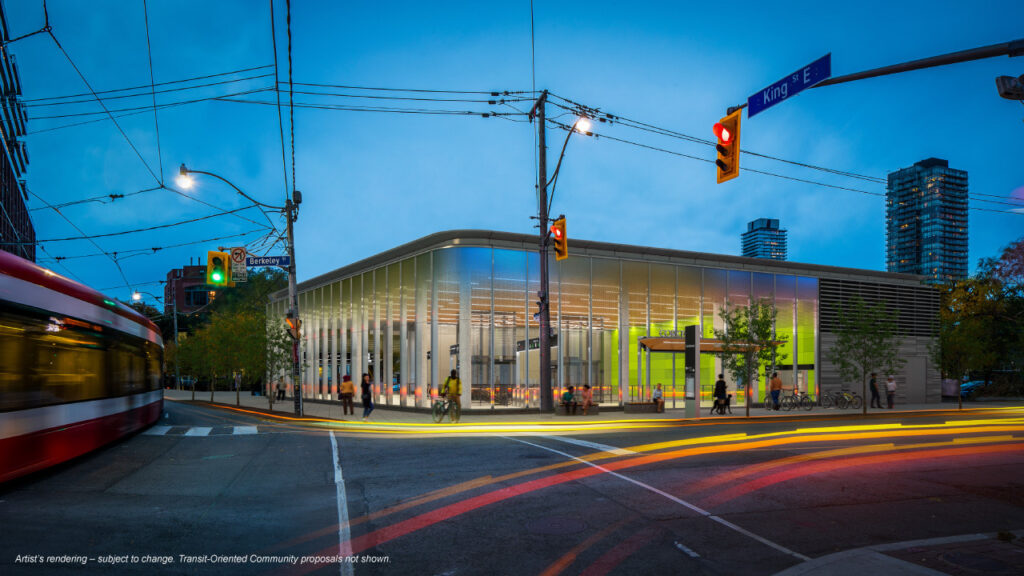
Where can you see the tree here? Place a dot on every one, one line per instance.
(866, 342)
(748, 342)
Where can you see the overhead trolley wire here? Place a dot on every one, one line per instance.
(164, 91)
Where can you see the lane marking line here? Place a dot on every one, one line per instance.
(689, 552)
(156, 431)
(679, 501)
(594, 445)
(344, 534)
(246, 430)
(198, 431)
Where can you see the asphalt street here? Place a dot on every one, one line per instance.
(216, 491)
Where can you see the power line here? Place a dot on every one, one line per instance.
(111, 116)
(165, 91)
(419, 90)
(134, 111)
(152, 86)
(167, 83)
(277, 93)
(80, 231)
(412, 98)
(146, 107)
(155, 249)
(172, 224)
(355, 108)
(100, 199)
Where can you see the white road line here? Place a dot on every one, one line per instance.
(594, 445)
(696, 509)
(246, 430)
(344, 534)
(688, 551)
(156, 431)
(198, 431)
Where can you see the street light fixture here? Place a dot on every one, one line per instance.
(290, 210)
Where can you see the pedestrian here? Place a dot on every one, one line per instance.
(367, 396)
(876, 401)
(719, 395)
(280, 391)
(890, 391)
(588, 398)
(569, 400)
(776, 388)
(346, 393)
(658, 398)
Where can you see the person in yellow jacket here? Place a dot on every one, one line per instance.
(453, 390)
(347, 391)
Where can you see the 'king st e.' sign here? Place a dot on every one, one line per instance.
(791, 85)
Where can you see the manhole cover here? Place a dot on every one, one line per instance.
(557, 525)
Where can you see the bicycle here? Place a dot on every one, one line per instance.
(443, 406)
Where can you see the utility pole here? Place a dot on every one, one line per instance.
(544, 318)
(177, 356)
(293, 297)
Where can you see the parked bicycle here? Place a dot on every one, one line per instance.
(790, 401)
(841, 399)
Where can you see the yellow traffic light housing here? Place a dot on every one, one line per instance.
(728, 131)
(294, 327)
(218, 269)
(560, 240)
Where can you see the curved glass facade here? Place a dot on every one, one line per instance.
(409, 322)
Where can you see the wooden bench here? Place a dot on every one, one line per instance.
(562, 410)
(640, 407)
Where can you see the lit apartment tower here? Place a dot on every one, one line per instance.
(764, 239)
(17, 234)
(926, 221)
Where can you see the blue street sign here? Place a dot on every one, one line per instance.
(791, 85)
(282, 261)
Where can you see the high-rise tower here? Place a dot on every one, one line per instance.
(764, 239)
(926, 221)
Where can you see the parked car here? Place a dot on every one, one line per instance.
(971, 390)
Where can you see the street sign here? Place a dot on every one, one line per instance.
(239, 273)
(791, 85)
(281, 261)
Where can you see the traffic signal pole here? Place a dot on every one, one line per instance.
(544, 318)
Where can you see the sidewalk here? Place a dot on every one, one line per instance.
(391, 415)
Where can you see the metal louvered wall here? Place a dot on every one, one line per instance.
(915, 308)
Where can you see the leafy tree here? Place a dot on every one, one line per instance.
(866, 342)
(748, 342)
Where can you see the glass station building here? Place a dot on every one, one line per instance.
(466, 299)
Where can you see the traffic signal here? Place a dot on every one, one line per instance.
(294, 326)
(728, 131)
(561, 242)
(218, 272)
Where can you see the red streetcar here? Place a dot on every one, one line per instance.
(77, 369)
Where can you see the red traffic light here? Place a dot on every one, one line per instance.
(723, 133)
(556, 231)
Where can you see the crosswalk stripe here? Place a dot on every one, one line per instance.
(201, 431)
(594, 445)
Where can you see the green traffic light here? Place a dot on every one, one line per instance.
(217, 276)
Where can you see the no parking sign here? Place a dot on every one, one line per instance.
(239, 273)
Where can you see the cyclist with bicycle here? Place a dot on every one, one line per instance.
(452, 389)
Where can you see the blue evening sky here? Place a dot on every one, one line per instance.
(374, 180)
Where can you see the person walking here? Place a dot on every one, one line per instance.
(876, 401)
(588, 398)
(367, 396)
(890, 391)
(776, 388)
(347, 391)
(719, 395)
